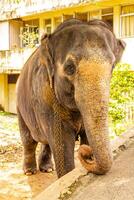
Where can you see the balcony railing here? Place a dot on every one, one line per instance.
(14, 60)
(18, 8)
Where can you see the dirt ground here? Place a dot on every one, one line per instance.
(14, 185)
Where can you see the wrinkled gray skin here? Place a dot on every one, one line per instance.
(63, 91)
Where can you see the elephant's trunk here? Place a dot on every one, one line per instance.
(92, 96)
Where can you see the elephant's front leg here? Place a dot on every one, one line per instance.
(29, 145)
(64, 153)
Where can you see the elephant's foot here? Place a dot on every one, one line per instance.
(87, 159)
(46, 167)
(29, 168)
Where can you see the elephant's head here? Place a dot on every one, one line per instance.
(82, 58)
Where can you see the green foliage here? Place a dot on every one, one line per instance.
(122, 88)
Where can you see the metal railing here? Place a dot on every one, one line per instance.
(14, 60)
(129, 107)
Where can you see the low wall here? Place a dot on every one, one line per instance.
(61, 187)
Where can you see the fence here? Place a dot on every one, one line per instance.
(130, 113)
(129, 108)
(14, 60)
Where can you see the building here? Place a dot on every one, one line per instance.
(22, 22)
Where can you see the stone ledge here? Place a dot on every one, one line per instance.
(61, 186)
(122, 139)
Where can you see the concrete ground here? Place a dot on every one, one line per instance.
(118, 184)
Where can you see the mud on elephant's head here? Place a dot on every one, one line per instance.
(81, 56)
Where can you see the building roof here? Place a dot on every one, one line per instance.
(21, 8)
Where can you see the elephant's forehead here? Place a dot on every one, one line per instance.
(77, 34)
(82, 41)
(99, 53)
(72, 37)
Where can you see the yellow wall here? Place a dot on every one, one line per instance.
(12, 98)
(4, 91)
(7, 94)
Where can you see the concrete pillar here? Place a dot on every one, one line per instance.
(53, 24)
(2, 90)
(88, 16)
(6, 95)
(62, 18)
(41, 27)
(116, 20)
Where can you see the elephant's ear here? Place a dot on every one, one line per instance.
(46, 57)
(119, 50)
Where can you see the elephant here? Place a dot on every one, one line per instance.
(63, 93)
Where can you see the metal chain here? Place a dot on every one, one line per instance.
(58, 141)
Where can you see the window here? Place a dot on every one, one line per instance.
(48, 26)
(82, 16)
(65, 17)
(107, 16)
(127, 21)
(12, 78)
(29, 34)
(95, 14)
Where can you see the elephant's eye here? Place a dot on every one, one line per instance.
(69, 67)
